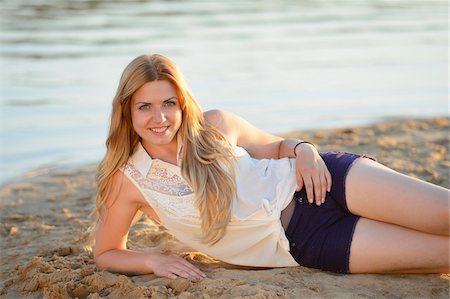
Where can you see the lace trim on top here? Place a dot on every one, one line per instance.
(160, 178)
(165, 189)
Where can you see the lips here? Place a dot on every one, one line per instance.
(159, 130)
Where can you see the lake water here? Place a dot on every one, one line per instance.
(283, 65)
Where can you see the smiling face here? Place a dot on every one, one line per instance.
(156, 116)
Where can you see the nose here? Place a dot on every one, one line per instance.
(158, 116)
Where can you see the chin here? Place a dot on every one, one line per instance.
(160, 140)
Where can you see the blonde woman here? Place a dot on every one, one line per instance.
(246, 197)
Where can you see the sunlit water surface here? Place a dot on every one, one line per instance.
(283, 65)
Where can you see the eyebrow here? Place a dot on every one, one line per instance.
(142, 102)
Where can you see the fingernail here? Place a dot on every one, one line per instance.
(203, 275)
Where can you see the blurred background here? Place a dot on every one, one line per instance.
(282, 65)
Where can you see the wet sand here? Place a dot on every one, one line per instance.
(45, 215)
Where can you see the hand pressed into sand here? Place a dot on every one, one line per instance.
(173, 267)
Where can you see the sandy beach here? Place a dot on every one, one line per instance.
(44, 217)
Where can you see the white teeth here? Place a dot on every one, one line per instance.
(159, 130)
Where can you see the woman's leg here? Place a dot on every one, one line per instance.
(376, 192)
(379, 247)
(405, 224)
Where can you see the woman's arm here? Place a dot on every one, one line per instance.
(311, 170)
(110, 251)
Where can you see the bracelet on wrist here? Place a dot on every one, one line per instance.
(298, 143)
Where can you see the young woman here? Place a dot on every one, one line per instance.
(249, 198)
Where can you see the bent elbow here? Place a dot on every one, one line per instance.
(99, 263)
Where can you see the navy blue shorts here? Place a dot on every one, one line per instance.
(320, 236)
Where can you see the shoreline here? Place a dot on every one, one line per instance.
(44, 216)
(70, 163)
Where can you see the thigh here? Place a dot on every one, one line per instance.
(377, 192)
(339, 164)
(379, 247)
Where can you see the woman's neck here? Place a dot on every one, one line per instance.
(167, 152)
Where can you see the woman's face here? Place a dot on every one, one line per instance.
(156, 114)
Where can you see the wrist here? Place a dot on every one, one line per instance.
(301, 145)
(149, 261)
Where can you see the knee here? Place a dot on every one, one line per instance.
(444, 227)
(440, 224)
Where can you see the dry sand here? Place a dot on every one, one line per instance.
(44, 216)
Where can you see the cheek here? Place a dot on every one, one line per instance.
(175, 116)
(180, 115)
(137, 120)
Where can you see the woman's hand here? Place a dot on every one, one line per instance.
(173, 267)
(312, 173)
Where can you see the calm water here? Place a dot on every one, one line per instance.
(283, 65)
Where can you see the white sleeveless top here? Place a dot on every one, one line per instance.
(254, 237)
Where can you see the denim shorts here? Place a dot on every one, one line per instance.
(320, 236)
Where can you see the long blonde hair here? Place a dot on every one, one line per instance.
(206, 155)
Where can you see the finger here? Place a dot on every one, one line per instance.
(190, 270)
(317, 190)
(309, 189)
(171, 275)
(193, 268)
(180, 272)
(323, 184)
(195, 271)
(329, 180)
(299, 182)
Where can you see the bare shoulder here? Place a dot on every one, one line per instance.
(219, 118)
(239, 131)
(225, 122)
(125, 195)
(213, 116)
(121, 188)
